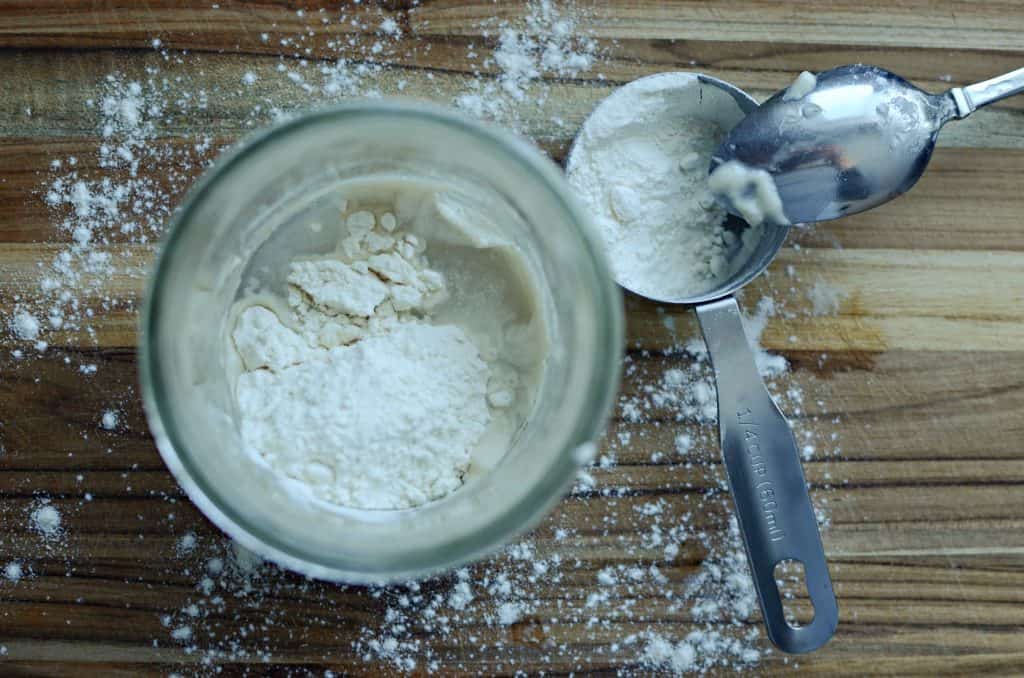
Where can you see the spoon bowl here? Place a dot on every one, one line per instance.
(858, 138)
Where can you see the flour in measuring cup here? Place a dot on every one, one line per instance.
(641, 168)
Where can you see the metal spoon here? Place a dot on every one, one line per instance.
(860, 137)
(773, 509)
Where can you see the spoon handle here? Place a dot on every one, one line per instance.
(970, 98)
(775, 514)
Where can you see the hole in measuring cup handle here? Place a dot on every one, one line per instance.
(791, 585)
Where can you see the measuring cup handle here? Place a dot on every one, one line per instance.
(774, 510)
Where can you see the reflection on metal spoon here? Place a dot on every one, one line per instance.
(860, 137)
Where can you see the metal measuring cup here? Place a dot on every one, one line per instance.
(766, 478)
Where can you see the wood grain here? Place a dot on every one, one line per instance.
(920, 373)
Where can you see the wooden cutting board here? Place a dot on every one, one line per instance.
(922, 380)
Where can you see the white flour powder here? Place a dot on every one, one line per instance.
(25, 326)
(364, 402)
(548, 42)
(641, 168)
(13, 571)
(45, 519)
(385, 423)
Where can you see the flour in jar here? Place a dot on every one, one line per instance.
(361, 384)
(640, 164)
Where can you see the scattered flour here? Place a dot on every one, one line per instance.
(186, 544)
(182, 633)
(25, 326)
(700, 651)
(661, 653)
(45, 519)
(109, 420)
(509, 613)
(547, 42)
(14, 571)
(825, 298)
(642, 169)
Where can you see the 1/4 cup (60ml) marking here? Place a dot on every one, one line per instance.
(759, 465)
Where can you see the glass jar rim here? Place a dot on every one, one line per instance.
(517, 518)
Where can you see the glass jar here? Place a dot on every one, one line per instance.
(237, 208)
